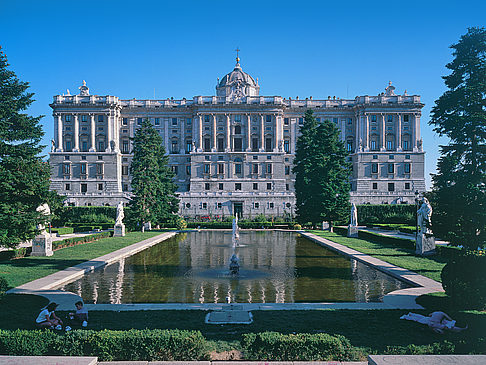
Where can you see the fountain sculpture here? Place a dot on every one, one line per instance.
(234, 265)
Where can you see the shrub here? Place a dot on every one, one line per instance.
(68, 242)
(15, 253)
(3, 286)
(132, 345)
(180, 223)
(90, 215)
(296, 347)
(463, 280)
(386, 213)
(62, 230)
(297, 226)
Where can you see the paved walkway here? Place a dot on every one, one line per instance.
(398, 234)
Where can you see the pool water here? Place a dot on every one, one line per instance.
(276, 267)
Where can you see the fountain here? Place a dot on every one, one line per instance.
(234, 265)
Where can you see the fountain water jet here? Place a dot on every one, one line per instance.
(234, 266)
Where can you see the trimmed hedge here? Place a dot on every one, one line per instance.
(386, 213)
(85, 227)
(15, 253)
(62, 230)
(395, 227)
(68, 242)
(276, 346)
(74, 214)
(243, 225)
(131, 345)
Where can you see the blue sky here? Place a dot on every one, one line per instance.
(178, 49)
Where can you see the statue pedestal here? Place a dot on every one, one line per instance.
(425, 244)
(42, 245)
(353, 231)
(119, 230)
(148, 226)
(325, 225)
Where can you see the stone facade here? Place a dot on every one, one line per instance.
(233, 152)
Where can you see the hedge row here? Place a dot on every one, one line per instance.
(276, 346)
(131, 345)
(84, 227)
(243, 225)
(62, 230)
(68, 242)
(386, 213)
(14, 253)
(75, 214)
(395, 227)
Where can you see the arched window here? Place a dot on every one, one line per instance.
(174, 147)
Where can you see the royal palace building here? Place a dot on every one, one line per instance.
(232, 153)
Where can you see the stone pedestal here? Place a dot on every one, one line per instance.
(325, 225)
(425, 244)
(353, 231)
(119, 230)
(42, 245)
(148, 226)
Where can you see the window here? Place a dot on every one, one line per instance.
(268, 118)
(287, 146)
(269, 157)
(125, 187)
(125, 121)
(174, 121)
(287, 187)
(286, 121)
(205, 205)
(407, 157)
(350, 121)
(188, 170)
(287, 170)
(389, 118)
(206, 118)
(83, 157)
(82, 169)
(188, 121)
(125, 131)
(156, 121)
(139, 121)
(349, 145)
(373, 118)
(220, 145)
(66, 169)
(100, 118)
(254, 169)
(255, 186)
(174, 147)
(68, 145)
(256, 205)
(206, 186)
(238, 145)
(125, 146)
(237, 186)
(220, 168)
(375, 186)
(406, 168)
(99, 169)
(100, 157)
(67, 118)
(207, 145)
(374, 168)
(84, 118)
(406, 118)
(301, 121)
(237, 129)
(390, 145)
(84, 146)
(125, 170)
(391, 157)
(175, 169)
(101, 128)
(375, 157)
(67, 157)
(220, 186)
(84, 188)
(67, 187)
(373, 145)
(269, 186)
(391, 186)
(100, 186)
(101, 146)
(405, 145)
(219, 205)
(207, 168)
(254, 144)
(407, 186)
(391, 168)
(268, 145)
(269, 168)
(271, 205)
(188, 146)
(238, 168)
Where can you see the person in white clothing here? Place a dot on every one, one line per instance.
(47, 318)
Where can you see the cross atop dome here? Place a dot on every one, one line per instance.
(237, 57)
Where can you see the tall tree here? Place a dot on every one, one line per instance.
(153, 189)
(24, 176)
(321, 173)
(459, 187)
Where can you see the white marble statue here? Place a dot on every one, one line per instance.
(119, 214)
(423, 215)
(354, 215)
(46, 211)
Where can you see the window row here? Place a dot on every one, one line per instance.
(238, 187)
(393, 186)
(390, 168)
(254, 205)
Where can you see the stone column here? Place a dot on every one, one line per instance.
(59, 142)
(416, 130)
(357, 133)
(262, 133)
(278, 133)
(293, 132)
(343, 130)
(248, 132)
(367, 133)
(109, 128)
(382, 132)
(92, 132)
(213, 136)
(166, 135)
(76, 133)
(399, 133)
(199, 133)
(228, 133)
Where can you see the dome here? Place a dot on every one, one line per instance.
(237, 84)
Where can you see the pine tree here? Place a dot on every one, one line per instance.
(24, 176)
(153, 189)
(321, 173)
(459, 187)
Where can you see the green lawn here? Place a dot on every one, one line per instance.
(21, 271)
(430, 267)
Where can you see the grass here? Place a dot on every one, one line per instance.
(23, 270)
(430, 267)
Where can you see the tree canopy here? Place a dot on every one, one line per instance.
(24, 176)
(153, 189)
(459, 187)
(321, 173)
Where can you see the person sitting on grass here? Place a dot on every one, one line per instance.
(48, 319)
(80, 317)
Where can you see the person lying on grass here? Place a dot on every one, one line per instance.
(48, 319)
(437, 321)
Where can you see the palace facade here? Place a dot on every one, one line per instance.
(232, 153)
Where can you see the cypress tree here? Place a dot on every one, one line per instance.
(24, 176)
(321, 173)
(459, 187)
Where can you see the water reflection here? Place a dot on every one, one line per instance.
(276, 267)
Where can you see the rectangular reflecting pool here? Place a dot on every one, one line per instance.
(275, 267)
